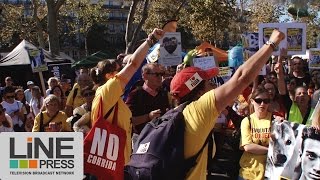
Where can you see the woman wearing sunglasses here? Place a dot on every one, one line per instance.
(255, 132)
(5, 121)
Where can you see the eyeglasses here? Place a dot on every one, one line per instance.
(259, 101)
(158, 74)
(12, 97)
(88, 94)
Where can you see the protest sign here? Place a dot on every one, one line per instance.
(170, 49)
(295, 36)
(291, 149)
(204, 63)
(250, 41)
(314, 58)
(37, 60)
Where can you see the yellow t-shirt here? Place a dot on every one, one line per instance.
(78, 100)
(200, 117)
(111, 93)
(253, 165)
(60, 118)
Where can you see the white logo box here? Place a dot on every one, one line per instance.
(41, 155)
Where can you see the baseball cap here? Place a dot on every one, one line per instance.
(189, 78)
(30, 83)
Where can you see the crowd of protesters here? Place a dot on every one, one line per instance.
(289, 91)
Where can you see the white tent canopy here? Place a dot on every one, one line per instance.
(19, 55)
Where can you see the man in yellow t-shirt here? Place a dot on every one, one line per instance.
(75, 99)
(193, 84)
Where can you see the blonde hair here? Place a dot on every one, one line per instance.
(51, 98)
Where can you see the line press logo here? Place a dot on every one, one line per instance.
(40, 155)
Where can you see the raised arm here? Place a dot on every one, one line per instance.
(138, 56)
(246, 73)
(278, 68)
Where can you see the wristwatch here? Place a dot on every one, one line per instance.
(272, 44)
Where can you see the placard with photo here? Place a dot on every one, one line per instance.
(293, 152)
(250, 41)
(170, 49)
(265, 31)
(314, 58)
(295, 36)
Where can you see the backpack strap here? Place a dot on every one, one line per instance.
(46, 124)
(75, 92)
(41, 122)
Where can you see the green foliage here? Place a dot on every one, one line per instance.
(81, 15)
(15, 26)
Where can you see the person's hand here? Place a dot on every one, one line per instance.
(154, 114)
(283, 53)
(157, 33)
(277, 36)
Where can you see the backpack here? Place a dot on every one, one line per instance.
(159, 151)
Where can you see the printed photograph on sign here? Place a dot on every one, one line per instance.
(293, 152)
(250, 41)
(314, 58)
(265, 31)
(37, 60)
(170, 49)
(294, 39)
(266, 34)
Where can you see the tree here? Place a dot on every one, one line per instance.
(39, 14)
(132, 32)
(263, 12)
(81, 15)
(52, 26)
(209, 20)
(15, 25)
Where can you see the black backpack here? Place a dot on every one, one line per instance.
(159, 150)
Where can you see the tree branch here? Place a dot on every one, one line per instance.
(58, 4)
(130, 19)
(176, 13)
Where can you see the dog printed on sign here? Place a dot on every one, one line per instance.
(281, 148)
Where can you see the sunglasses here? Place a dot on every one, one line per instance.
(259, 101)
(159, 74)
(10, 97)
(88, 94)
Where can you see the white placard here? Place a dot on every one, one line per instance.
(314, 58)
(170, 49)
(154, 55)
(41, 155)
(204, 63)
(295, 36)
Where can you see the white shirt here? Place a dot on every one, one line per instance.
(34, 105)
(10, 108)
(5, 129)
(28, 95)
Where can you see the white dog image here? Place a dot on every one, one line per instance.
(281, 148)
